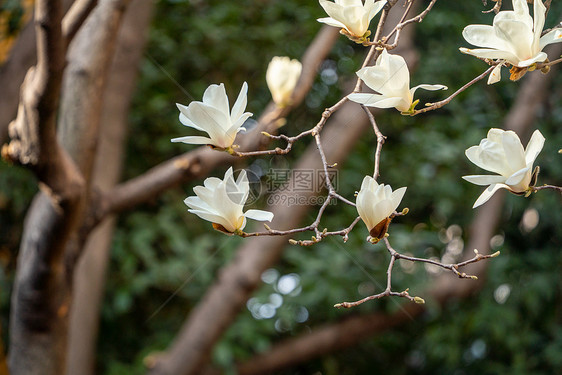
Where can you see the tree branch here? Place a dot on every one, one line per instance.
(75, 17)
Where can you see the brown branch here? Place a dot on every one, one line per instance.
(398, 28)
(33, 133)
(89, 59)
(543, 187)
(433, 106)
(394, 255)
(75, 17)
(40, 298)
(91, 270)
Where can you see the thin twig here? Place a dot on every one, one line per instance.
(544, 187)
(398, 28)
(395, 255)
(380, 141)
(433, 106)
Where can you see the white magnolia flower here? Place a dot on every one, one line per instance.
(281, 77)
(351, 15)
(213, 115)
(221, 202)
(389, 77)
(376, 204)
(502, 152)
(514, 37)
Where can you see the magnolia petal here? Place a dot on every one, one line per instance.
(379, 101)
(534, 147)
(483, 36)
(194, 140)
(331, 22)
(518, 37)
(209, 118)
(539, 11)
(539, 57)
(487, 194)
(520, 7)
(399, 73)
(516, 178)
(380, 211)
(185, 120)
(215, 96)
(242, 179)
(229, 174)
(375, 77)
(492, 160)
(350, 3)
(242, 186)
(495, 135)
(214, 218)
(495, 75)
(513, 150)
(239, 122)
(196, 203)
(366, 182)
(553, 36)
(366, 99)
(520, 14)
(259, 215)
(240, 104)
(397, 196)
(335, 11)
(229, 204)
(427, 87)
(355, 20)
(486, 53)
(376, 7)
(363, 211)
(484, 180)
(212, 182)
(204, 194)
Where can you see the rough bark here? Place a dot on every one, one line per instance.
(12, 73)
(89, 59)
(23, 55)
(89, 277)
(41, 297)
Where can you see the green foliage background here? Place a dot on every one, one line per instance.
(164, 258)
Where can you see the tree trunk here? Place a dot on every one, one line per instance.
(42, 287)
(89, 277)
